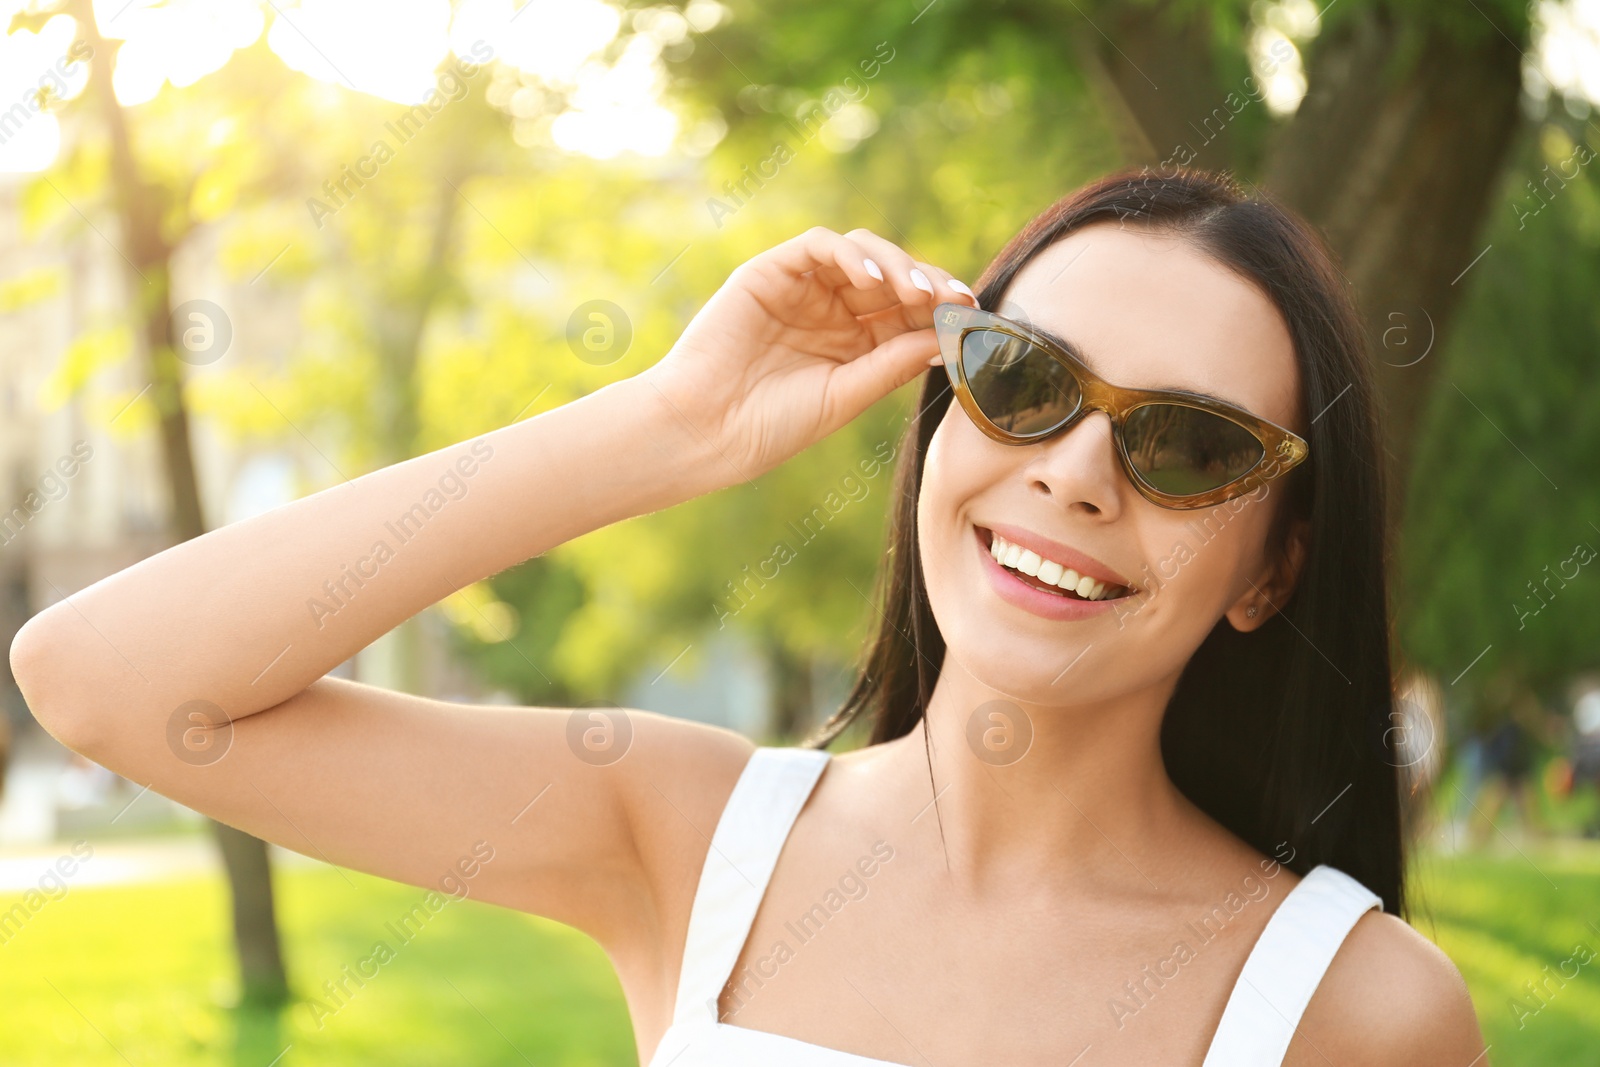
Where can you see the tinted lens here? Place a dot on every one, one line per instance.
(1183, 450)
(1021, 388)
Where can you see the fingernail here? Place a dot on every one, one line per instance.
(920, 280)
(937, 361)
(961, 287)
(872, 269)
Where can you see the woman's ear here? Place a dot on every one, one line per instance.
(1265, 598)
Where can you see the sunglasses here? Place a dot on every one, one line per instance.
(1179, 450)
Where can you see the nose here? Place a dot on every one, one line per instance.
(1079, 468)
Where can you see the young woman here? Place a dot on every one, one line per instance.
(1128, 797)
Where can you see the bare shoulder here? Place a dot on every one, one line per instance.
(674, 779)
(676, 776)
(1390, 996)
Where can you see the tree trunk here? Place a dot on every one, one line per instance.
(792, 694)
(255, 927)
(1394, 153)
(398, 327)
(148, 254)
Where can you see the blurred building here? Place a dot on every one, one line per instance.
(83, 495)
(82, 484)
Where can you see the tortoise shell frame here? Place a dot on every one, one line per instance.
(1281, 449)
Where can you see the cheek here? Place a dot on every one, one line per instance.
(1193, 571)
(1197, 567)
(937, 506)
(957, 471)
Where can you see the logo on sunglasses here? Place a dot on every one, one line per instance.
(951, 318)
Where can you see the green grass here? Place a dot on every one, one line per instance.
(1503, 919)
(143, 974)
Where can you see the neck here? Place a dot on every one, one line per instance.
(1076, 789)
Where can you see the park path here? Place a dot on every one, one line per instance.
(46, 809)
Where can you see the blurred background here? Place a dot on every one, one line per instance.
(249, 250)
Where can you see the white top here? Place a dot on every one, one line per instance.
(1281, 973)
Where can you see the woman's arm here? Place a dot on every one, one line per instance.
(249, 618)
(250, 614)
(237, 628)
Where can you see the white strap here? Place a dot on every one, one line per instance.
(754, 825)
(1285, 966)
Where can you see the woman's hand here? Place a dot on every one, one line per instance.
(799, 341)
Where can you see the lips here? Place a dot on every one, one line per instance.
(1063, 554)
(1016, 590)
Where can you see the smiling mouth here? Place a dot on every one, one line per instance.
(1047, 576)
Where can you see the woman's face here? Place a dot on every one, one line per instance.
(1146, 310)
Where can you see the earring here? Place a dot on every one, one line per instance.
(1250, 612)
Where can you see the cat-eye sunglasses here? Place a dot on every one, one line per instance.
(1180, 450)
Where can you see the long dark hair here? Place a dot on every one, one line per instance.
(1282, 734)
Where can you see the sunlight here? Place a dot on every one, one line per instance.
(36, 71)
(550, 39)
(1566, 40)
(1277, 64)
(1274, 50)
(614, 108)
(179, 41)
(386, 48)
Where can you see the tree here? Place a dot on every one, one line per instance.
(1393, 92)
(153, 223)
(1503, 523)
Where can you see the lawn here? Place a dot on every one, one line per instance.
(1503, 919)
(147, 971)
(138, 975)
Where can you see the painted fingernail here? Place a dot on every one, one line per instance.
(920, 280)
(872, 269)
(937, 361)
(960, 287)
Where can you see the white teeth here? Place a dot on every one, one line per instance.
(1048, 571)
